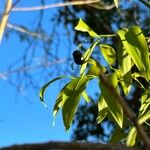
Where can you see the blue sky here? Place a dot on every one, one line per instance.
(22, 120)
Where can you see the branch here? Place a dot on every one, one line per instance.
(129, 113)
(61, 4)
(25, 31)
(5, 16)
(4, 75)
(69, 145)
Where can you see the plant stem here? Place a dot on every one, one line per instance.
(61, 4)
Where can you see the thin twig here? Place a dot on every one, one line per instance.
(61, 4)
(5, 75)
(25, 31)
(5, 16)
(129, 113)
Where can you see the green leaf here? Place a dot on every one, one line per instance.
(64, 95)
(86, 56)
(116, 3)
(136, 38)
(95, 69)
(145, 104)
(108, 53)
(131, 50)
(124, 61)
(131, 139)
(126, 82)
(117, 136)
(44, 87)
(86, 97)
(60, 101)
(82, 26)
(124, 58)
(102, 109)
(114, 108)
(71, 103)
(72, 92)
(70, 108)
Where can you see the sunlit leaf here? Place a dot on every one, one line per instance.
(131, 139)
(60, 101)
(86, 97)
(145, 104)
(136, 38)
(117, 136)
(86, 56)
(108, 53)
(82, 26)
(42, 90)
(95, 69)
(131, 49)
(114, 108)
(124, 58)
(73, 92)
(116, 3)
(64, 95)
(102, 109)
(124, 61)
(126, 82)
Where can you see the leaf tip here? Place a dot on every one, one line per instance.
(44, 105)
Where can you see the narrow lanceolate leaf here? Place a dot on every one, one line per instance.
(73, 91)
(60, 101)
(86, 97)
(86, 56)
(131, 49)
(108, 53)
(117, 136)
(42, 90)
(124, 61)
(114, 108)
(136, 38)
(82, 26)
(102, 109)
(116, 3)
(131, 139)
(68, 99)
(145, 104)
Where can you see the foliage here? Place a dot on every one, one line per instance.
(132, 51)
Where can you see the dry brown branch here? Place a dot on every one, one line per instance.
(5, 16)
(61, 4)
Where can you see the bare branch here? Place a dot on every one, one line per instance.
(29, 68)
(61, 4)
(31, 33)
